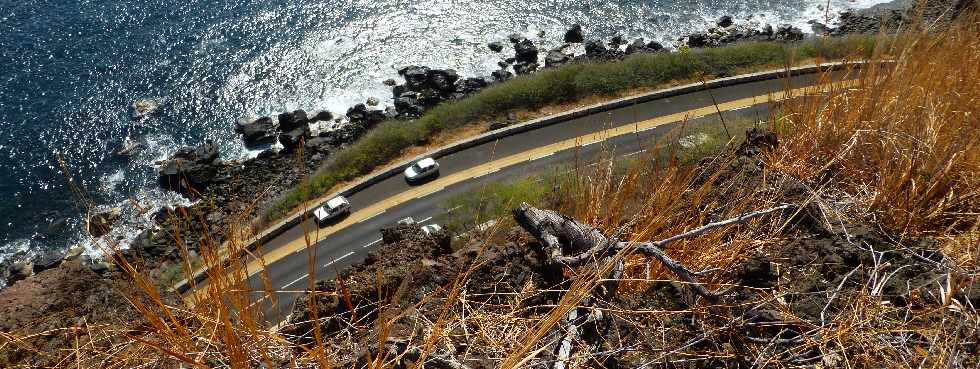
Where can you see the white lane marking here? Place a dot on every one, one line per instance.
(424, 220)
(430, 192)
(297, 280)
(257, 301)
(543, 156)
(338, 259)
(372, 243)
(368, 218)
(490, 172)
(634, 153)
(740, 108)
(590, 143)
(450, 210)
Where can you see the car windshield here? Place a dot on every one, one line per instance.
(416, 167)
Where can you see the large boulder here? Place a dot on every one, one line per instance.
(574, 34)
(595, 48)
(190, 169)
(409, 105)
(19, 271)
(101, 223)
(525, 51)
(525, 68)
(788, 33)
(470, 85)
(725, 21)
(555, 58)
(501, 75)
(291, 120)
(443, 80)
(695, 40)
(638, 45)
(360, 114)
(259, 131)
(291, 139)
(47, 260)
(496, 46)
(416, 77)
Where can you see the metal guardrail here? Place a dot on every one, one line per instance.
(393, 170)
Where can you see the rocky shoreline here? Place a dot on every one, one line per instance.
(226, 191)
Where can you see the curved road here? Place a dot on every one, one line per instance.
(622, 130)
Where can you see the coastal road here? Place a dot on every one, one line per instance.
(625, 131)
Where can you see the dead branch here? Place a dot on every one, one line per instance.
(562, 235)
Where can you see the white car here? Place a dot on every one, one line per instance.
(334, 207)
(430, 229)
(421, 169)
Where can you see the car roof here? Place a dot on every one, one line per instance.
(427, 162)
(336, 202)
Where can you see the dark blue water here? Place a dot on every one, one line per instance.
(69, 71)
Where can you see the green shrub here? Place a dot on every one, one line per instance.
(554, 86)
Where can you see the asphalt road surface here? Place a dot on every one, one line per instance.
(349, 241)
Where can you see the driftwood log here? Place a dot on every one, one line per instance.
(571, 243)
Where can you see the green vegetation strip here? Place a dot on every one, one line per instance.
(555, 86)
(494, 201)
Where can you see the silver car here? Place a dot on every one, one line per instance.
(334, 208)
(421, 169)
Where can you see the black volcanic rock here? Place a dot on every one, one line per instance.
(555, 58)
(525, 51)
(501, 75)
(289, 121)
(190, 169)
(470, 85)
(725, 21)
(697, 40)
(443, 80)
(291, 139)
(260, 131)
(574, 34)
(525, 68)
(595, 48)
(638, 45)
(100, 223)
(415, 76)
(788, 33)
(616, 41)
(323, 116)
(409, 105)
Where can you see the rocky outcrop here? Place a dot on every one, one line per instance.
(496, 46)
(101, 223)
(191, 170)
(889, 17)
(257, 132)
(574, 34)
(423, 89)
(526, 57)
(733, 33)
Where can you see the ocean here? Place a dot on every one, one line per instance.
(70, 71)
